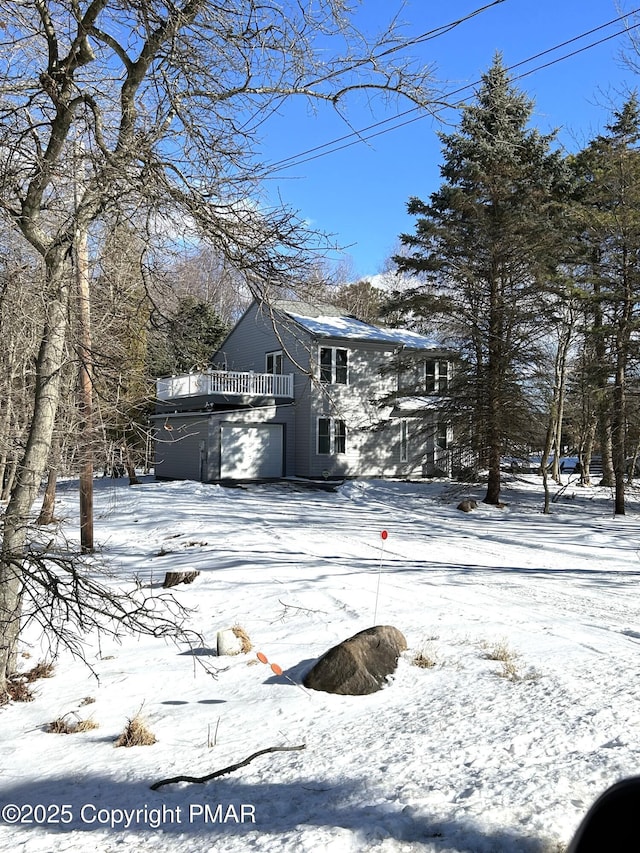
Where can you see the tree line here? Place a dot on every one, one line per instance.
(527, 261)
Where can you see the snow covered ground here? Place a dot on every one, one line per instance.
(471, 754)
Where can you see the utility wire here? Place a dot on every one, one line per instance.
(364, 136)
(442, 30)
(354, 137)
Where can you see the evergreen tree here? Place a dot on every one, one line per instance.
(189, 338)
(609, 230)
(486, 247)
(360, 299)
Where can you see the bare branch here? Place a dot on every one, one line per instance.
(61, 593)
(199, 780)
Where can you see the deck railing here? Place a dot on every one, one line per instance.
(225, 382)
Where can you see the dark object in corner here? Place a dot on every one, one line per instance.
(612, 821)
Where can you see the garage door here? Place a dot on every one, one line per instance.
(251, 452)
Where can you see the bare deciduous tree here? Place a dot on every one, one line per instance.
(167, 98)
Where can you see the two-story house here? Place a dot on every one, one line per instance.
(305, 390)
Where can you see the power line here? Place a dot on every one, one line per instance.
(443, 29)
(361, 137)
(354, 137)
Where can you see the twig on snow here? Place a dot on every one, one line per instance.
(229, 769)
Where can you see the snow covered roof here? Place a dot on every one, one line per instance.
(326, 321)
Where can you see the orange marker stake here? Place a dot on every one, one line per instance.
(383, 537)
(277, 670)
(274, 666)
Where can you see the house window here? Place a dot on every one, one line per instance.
(273, 362)
(442, 435)
(332, 436)
(404, 440)
(333, 365)
(436, 375)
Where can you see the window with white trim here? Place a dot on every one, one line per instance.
(332, 436)
(436, 375)
(273, 362)
(404, 440)
(442, 435)
(334, 364)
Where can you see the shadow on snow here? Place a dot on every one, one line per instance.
(269, 808)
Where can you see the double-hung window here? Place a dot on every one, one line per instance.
(273, 362)
(334, 365)
(442, 435)
(436, 376)
(332, 436)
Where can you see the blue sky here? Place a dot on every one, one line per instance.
(359, 194)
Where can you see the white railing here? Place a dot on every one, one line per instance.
(225, 382)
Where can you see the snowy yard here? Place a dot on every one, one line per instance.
(529, 711)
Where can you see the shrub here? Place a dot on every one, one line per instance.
(501, 652)
(19, 691)
(63, 726)
(242, 635)
(136, 733)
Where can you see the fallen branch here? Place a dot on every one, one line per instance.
(229, 769)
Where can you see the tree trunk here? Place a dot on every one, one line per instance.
(548, 441)
(49, 501)
(85, 375)
(604, 438)
(494, 388)
(618, 430)
(556, 415)
(9, 478)
(131, 467)
(32, 466)
(494, 481)
(585, 455)
(547, 496)
(4, 439)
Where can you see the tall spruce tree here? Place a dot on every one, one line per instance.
(189, 338)
(485, 248)
(609, 229)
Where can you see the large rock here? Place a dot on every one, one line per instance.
(359, 665)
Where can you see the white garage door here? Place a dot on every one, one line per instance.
(250, 452)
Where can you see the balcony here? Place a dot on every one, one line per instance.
(224, 383)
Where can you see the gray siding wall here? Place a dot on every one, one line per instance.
(178, 447)
(254, 336)
(373, 444)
